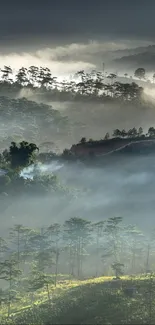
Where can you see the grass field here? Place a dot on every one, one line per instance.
(87, 302)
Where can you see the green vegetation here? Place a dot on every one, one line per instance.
(37, 291)
(90, 302)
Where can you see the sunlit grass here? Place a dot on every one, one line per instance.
(40, 296)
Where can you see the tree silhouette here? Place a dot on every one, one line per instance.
(123, 133)
(45, 77)
(140, 131)
(117, 133)
(21, 155)
(140, 73)
(107, 136)
(7, 72)
(21, 77)
(33, 73)
(89, 85)
(83, 140)
(151, 131)
(132, 133)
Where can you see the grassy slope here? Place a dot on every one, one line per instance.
(89, 302)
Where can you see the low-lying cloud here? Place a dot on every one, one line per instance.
(69, 58)
(123, 188)
(35, 170)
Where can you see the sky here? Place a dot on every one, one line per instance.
(31, 29)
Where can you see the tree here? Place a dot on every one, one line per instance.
(40, 280)
(77, 235)
(135, 92)
(151, 131)
(123, 133)
(140, 73)
(39, 245)
(81, 86)
(7, 71)
(140, 131)
(55, 236)
(21, 77)
(17, 236)
(135, 239)
(127, 91)
(21, 155)
(9, 272)
(3, 248)
(107, 136)
(117, 267)
(112, 76)
(112, 229)
(132, 133)
(45, 78)
(98, 228)
(117, 133)
(83, 140)
(33, 73)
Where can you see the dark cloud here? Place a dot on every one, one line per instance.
(76, 20)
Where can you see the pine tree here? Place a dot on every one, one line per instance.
(9, 272)
(112, 229)
(77, 235)
(39, 280)
(55, 242)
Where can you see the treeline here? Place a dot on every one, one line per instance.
(95, 83)
(131, 133)
(23, 154)
(32, 259)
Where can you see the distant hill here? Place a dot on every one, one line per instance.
(141, 145)
(138, 147)
(143, 59)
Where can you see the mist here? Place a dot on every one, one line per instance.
(123, 188)
(37, 169)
